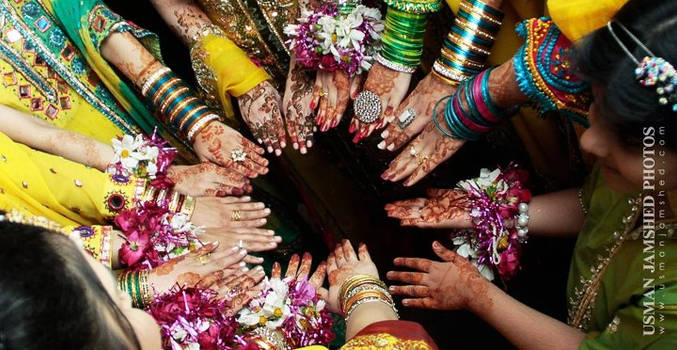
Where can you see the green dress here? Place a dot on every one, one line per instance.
(622, 288)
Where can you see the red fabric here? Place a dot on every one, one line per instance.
(400, 329)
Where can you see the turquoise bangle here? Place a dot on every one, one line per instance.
(487, 8)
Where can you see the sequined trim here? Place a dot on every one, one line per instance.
(582, 302)
(613, 326)
(384, 341)
(34, 15)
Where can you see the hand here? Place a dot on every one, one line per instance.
(302, 271)
(424, 154)
(330, 96)
(296, 107)
(444, 209)
(342, 264)
(207, 180)
(422, 101)
(260, 108)
(201, 268)
(220, 144)
(251, 239)
(391, 86)
(229, 212)
(453, 284)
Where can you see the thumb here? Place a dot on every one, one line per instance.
(444, 253)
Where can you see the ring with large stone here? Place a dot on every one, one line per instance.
(367, 107)
(406, 117)
(238, 155)
(235, 215)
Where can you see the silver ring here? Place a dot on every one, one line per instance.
(406, 117)
(240, 244)
(238, 155)
(367, 107)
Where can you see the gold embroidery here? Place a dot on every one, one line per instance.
(384, 341)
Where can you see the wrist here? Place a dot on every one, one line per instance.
(482, 296)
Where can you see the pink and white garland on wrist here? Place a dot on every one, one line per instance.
(328, 40)
(499, 207)
(142, 157)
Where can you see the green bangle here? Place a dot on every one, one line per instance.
(417, 7)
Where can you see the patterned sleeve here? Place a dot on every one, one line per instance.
(392, 335)
(543, 66)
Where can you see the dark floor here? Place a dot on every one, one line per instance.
(542, 282)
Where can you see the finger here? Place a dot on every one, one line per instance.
(253, 231)
(354, 125)
(279, 127)
(331, 263)
(322, 112)
(304, 269)
(340, 257)
(243, 205)
(248, 223)
(406, 203)
(276, 271)
(444, 253)
(291, 119)
(349, 251)
(251, 146)
(255, 167)
(247, 215)
(410, 290)
(224, 259)
(243, 170)
(363, 253)
(421, 171)
(356, 85)
(317, 279)
(256, 238)
(317, 92)
(259, 246)
(406, 277)
(329, 120)
(342, 97)
(293, 266)
(211, 279)
(420, 303)
(414, 263)
(253, 260)
(205, 249)
(234, 199)
(438, 192)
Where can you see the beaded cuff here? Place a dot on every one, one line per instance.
(544, 71)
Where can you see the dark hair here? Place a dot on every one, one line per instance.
(50, 298)
(624, 102)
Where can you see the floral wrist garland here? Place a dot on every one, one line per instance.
(497, 202)
(153, 235)
(287, 314)
(328, 39)
(142, 157)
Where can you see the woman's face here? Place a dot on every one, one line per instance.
(625, 168)
(145, 327)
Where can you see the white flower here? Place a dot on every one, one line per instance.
(178, 333)
(248, 317)
(487, 178)
(466, 251)
(126, 151)
(485, 271)
(193, 346)
(180, 222)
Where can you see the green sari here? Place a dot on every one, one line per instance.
(614, 295)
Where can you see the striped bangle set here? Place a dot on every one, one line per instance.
(361, 289)
(470, 111)
(469, 42)
(135, 283)
(177, 103)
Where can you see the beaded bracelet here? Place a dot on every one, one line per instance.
(469, 41)
(177, 103)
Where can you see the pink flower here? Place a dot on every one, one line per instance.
(509, 264)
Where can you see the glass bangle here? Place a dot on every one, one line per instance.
(486, 8)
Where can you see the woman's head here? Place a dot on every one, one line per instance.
(625, 114)
(53, 295)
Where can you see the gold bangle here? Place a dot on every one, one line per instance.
(356, 281)
(452, 56)
(179, 107)
(473, 27)
(464, 44)
(122, 281)
(188, 206)
(186, 118)
(173, 95)
(478, 13)
(168, 84)
(145, 289)
(364, 295)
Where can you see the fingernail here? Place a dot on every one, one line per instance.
(235, 248)
(385, 175)
(304, 150)
(312, 104)
(295, 145)
(246, 198)
(259, 140)
(263, 221)
(270, 232)
(245, 269)
(381, 145)
(242, 264)
(356, 139)
(309, 143)
(351, 129)
(270, 149)
(385, 134)
(278, 152)
(391, 147)
(267, 211)
(278, 239)
(283, 144)
(259, 268)
(243, 252)
(436, 245)
(391, 289)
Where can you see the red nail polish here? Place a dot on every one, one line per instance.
(352, 128)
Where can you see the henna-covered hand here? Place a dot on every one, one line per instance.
(240, 289)
(229, 212)
(443, 209)
(208, 179)
(260, 108)
(344, 263)
(452, 284)
(424, 154)
(224, 146)
(422, 101)
(296, 106)
(300, 270)
(330, 96)
(391, 86)
(251, 239)
(201, 268)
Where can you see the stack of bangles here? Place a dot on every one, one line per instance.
(177, 103)
(469, 42)
(470, 111)
(176, 202)
(361, 289)
(135, 283)
(402, 40)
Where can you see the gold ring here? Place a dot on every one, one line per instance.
(421, 159)
(235, 215)
(203, 259)
(324, 93)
